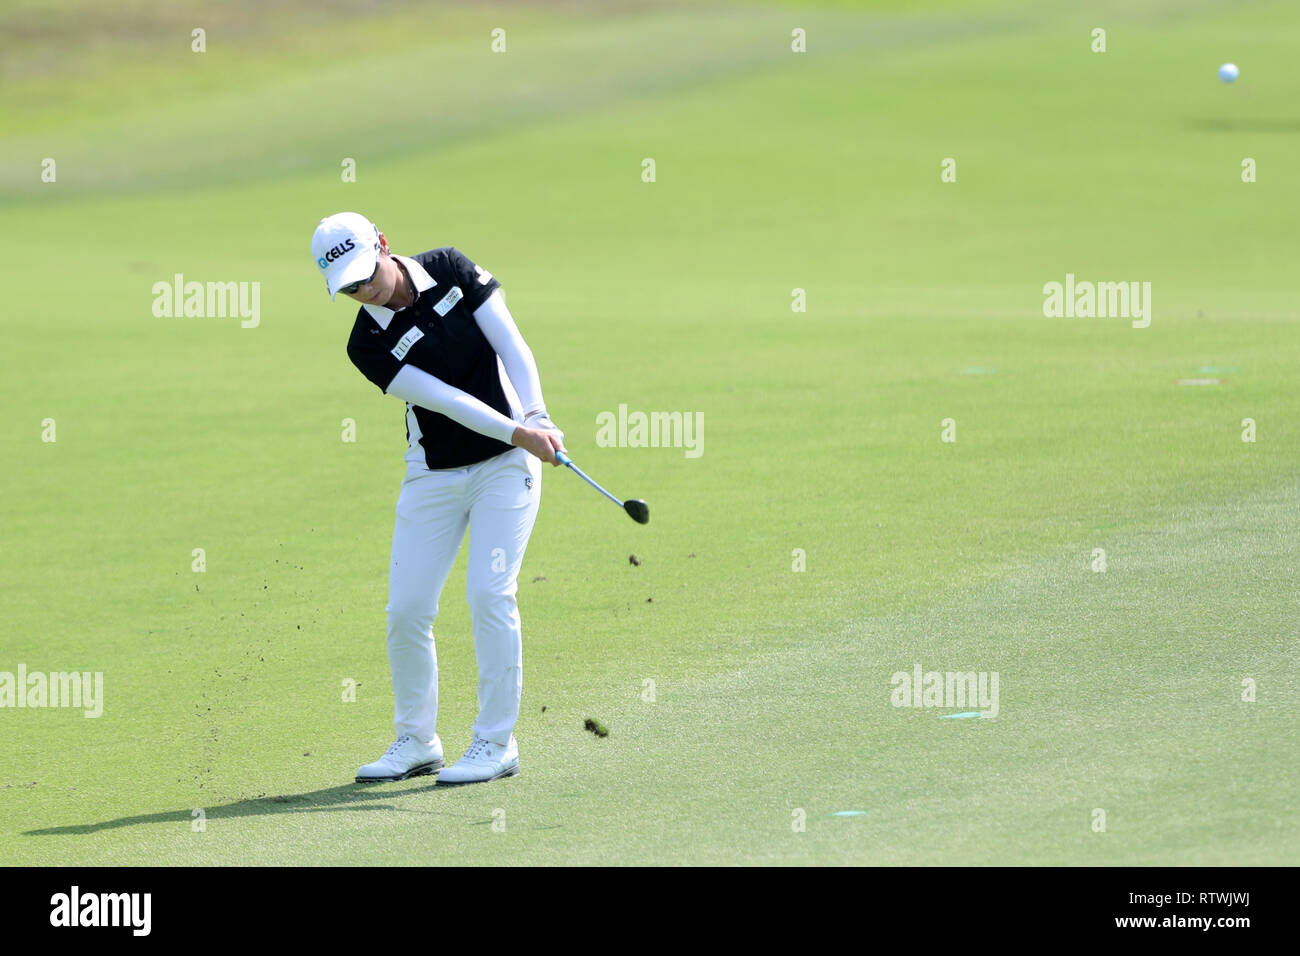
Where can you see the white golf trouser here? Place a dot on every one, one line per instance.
(498, 499)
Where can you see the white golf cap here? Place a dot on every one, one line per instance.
(346, 249)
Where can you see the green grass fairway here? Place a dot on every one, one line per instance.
(748, 702)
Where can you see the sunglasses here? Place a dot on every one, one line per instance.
(349, 289)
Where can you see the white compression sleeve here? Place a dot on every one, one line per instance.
(499, 328)
(420, 388)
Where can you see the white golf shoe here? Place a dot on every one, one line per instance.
(483, 761)
(407, 757)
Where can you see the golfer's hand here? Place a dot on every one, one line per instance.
(542, 442)
(542, 420)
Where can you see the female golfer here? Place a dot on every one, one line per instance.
(433, 330)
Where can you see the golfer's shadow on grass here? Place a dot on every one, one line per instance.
(356, 796)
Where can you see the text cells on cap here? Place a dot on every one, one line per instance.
(340, 250)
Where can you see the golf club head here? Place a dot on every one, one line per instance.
(638, 509)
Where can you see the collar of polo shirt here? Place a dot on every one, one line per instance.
(423, 282)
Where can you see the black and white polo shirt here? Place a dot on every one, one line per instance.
(439, 335)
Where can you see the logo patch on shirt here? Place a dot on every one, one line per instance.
(448, 300)
(404, 344)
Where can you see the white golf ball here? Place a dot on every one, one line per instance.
(1228, 72)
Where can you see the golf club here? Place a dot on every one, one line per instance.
(635, 507)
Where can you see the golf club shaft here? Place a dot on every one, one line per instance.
(564, 459)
